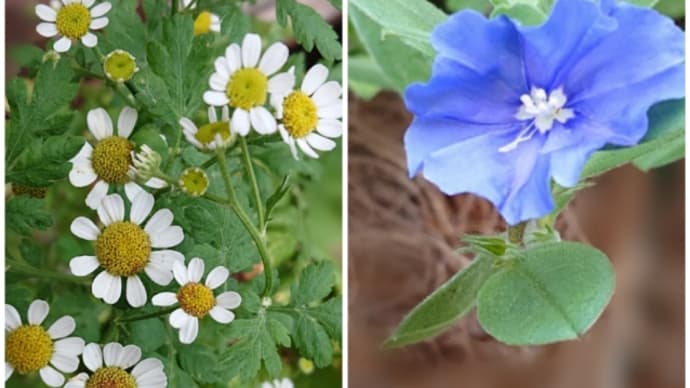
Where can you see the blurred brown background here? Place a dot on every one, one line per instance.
(402, 236)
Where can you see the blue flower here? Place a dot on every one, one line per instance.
(509, 107)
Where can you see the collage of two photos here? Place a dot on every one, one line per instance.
(358, 193)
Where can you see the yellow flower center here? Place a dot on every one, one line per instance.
(111, 159)
(247, 88)
(28, 348)
(207, 133)
(123, 248)
(111, 377)
(194, 181)
(120, 66)
(202, 23)
(73, 20)
(196, 299)
(299, 114)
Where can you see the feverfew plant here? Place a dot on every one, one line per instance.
(523, 107)
(157, 220)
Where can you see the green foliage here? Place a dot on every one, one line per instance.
(527, 12)
(24, 214)
(310, 29)
(45, 162)
(366, 78)
(548, 293)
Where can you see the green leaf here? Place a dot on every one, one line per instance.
(195, 360)
(672, 8)
(125, 31)
(314, 284)
(147, 334)
(526, 14)
(549, 293)
(27, 56)
(45, 161)
(338, 4)
(24, 214)
(643, 3)
(310, 29)
(366, 78)
(313, 341)
(445, 306)
(397, 36)
(477, 5)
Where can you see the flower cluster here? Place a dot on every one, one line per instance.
(509, 107)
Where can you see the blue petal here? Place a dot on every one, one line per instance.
(455, 91)
(533, 199)
(426, 135)
(567, 164)
(572, 29)
(486, 46)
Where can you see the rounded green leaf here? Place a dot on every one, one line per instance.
(552, 292)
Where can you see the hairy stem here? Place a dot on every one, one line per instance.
(26, 269)
(247, 161)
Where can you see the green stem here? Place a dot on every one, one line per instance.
(247, 161)
(175, 6)
(247, 223)
(517, 232)
(123, 91)
(25, 269)
(154, 314)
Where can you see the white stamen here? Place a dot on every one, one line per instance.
(541, 110)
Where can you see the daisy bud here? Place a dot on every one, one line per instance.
(146, 163)
(120, 66)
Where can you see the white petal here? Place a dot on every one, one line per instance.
(98, 23)
(212, 115)
(222, 69)
(46, 13)
(146, 369)
(262, 120)
(233, 57)
(229, 300)
(107, 287)
(314, 78)
(180, 273)
(330, 128)
(96, 195)
(166, 258)
(64, 363)
(189, 331)
(132, 189)
(126, 121)
(221, 315)
(159, 221)
(155, 183)
(240, 122)
(83, 265)
(217, 81)
(84, 153)
(62, 327)
(88, 3)
(327, 93)
(93, 357)
(130, 355)
(195, 270)
(71, 346)
(251, 49)
(8, 371)
(167, 238)
(158, 273)
(47, 30)
(84, 228)
(334, 110)
(51, 377)
(188, 126)
(136, 293)
(100, 10)
(215, 98)
(12, 319)
(141, 207)
(179, 318)
(306, 148)
(217, 277)
(99, 123)
(283, 133)
(62, 45)
(319, 142)
(293, 149)
(274, 58)
(281, 83)
(82, 174)
(164, 299)
(38, 311)
(78, 381)
(225, 113)
(111, 209)
(89, 40)
(111, 353)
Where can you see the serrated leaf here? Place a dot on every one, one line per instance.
(445, 306)
(314, 284)
(549, 293)
(125, 31)
(45, 161)
(195, 360)
(312, 341)
(23, 214)
(147, 334)
(310, 29)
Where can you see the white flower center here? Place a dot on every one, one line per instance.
(540, 110)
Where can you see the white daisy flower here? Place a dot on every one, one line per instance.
(213, 135)
(109, 368)
(196, 300)
(72, 20)
(205, 21)
(124, 249)
(309, 117)
(30, 348)
(109, 161)
(284, 383)
(242, 82)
